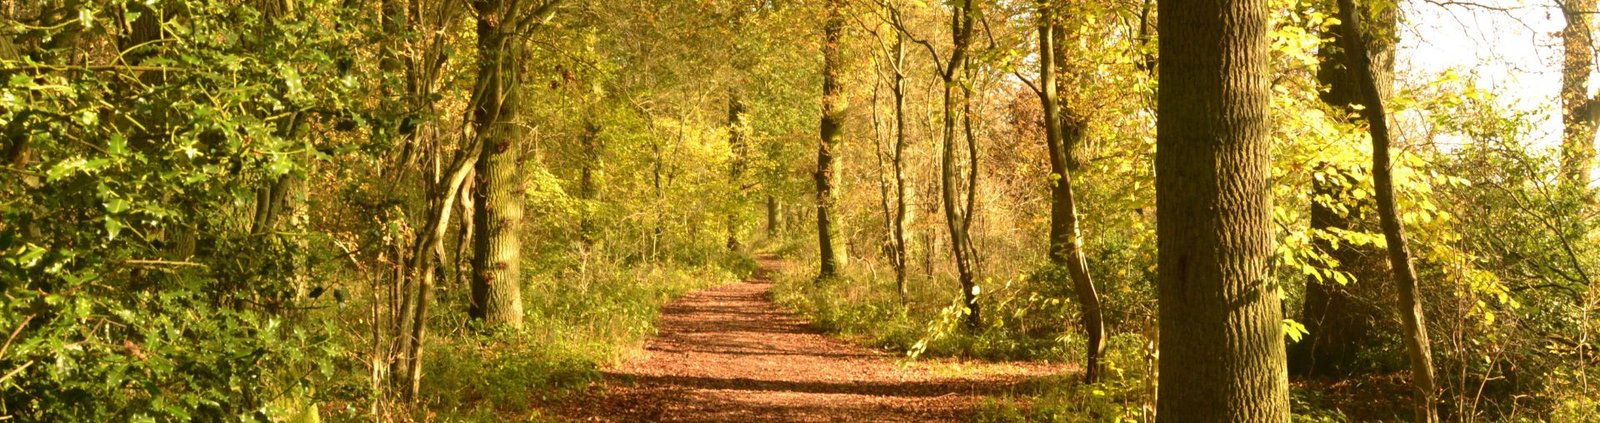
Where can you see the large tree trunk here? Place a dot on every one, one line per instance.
(1405, 278)
(1221, 343)
(1066, 244)
(1341, 320)
(1578, 110)
(497, 256)
(831, 253)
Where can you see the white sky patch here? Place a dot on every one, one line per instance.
(1513, 47)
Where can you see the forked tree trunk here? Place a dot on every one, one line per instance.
(955, 215)
(1221, 339)
(1405, 277)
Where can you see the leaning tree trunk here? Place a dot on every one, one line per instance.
(1405, 278)
(1340, 319)
(831, 253)
(1066, 244)
(1221, 343)
(497, 257)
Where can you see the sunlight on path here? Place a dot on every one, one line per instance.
(730, 354)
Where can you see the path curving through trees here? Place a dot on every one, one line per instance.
(730, 354)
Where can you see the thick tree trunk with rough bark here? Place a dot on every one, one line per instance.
(1409, 300)
(1066, 244)
(831, 251)
(1221, 343)
(1342, 320)
(497, 258)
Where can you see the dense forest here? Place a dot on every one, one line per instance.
(479, 210)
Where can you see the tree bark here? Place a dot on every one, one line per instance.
(738, 151)
(497, 256)
(1066, 243)
(961, 23)
(774, 218)
(1341, 320)
(831, 254)
(1405, 278)
(1579, 113)
(588, 185)
(898, 165)
(1221, 336)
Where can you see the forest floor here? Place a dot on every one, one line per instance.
(729, 354)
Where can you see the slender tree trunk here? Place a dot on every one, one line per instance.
(898, 164)
(588, 186)
(1066, 244)
(1579, 113)
(737, 128)
(774, 218)
(1405, 278)
(1221, 338)
(831, 253)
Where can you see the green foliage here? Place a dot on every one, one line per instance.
(1123, 395)
(576, 325)
(134, 286)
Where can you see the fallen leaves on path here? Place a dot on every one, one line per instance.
(729, 354)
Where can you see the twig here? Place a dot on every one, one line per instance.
(14, 334)
(163, 263)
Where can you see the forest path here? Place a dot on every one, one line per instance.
(729, 354)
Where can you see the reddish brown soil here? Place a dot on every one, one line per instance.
(728, 354)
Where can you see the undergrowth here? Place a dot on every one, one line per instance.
(1023, 319)
(576, 324)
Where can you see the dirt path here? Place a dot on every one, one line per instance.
(729, 354)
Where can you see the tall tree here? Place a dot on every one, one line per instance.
(1221, 344)
(895, 200)
(739, 148)
(496, 102)
(832, 255)
(1066, 243)
(1344, 319)
(957, 218)
(1579, 112)
(1405, 277)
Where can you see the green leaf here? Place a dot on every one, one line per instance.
(1294, 330)
(113, 227)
